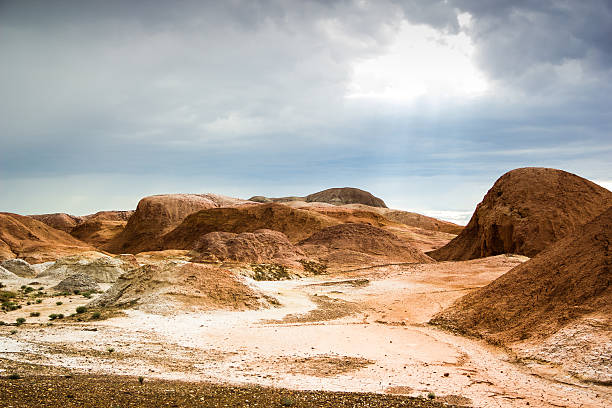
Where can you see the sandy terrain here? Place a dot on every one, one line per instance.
(362, 330)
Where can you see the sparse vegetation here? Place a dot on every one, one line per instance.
(14, 376)
(264, 272)
(314, 267)
(287, 402)
(96, 315)
(38, 301)
(141, 379)
(34, 314)
(110, 350)
(13, 331)
(431, 395)
(20, 321)
(59, 303)
(81, 309)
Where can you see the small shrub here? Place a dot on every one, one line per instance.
(81, 309)
(20, 321)
(110, 350)
(13, 331)
(59, 303)
(52, 316)
(38, 301)
(34, 314)
(2, 323)
(76, 291)
(431, 395)
(28, 289)
(40, 289)
(287, 402)
(60, 316)
(96, 315)
(14, 376)
(141, 379)
(313, 267)
(1, 285)
(264, 272)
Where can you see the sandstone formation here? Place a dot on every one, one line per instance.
(261, 246)
(157, 215)
(33, 241)
(173, 287)
(524, 212)
(354, 244)
(61, 221)
(568, 280)
(421, 221)
(346, 195)
(98, 232)
(101, 268)
(77, 282)
(295, 224)
(19, 267)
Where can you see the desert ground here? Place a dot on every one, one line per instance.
(204, 300)
(363, 330)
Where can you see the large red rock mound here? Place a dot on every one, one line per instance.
(295, 224)
(524, 212)
(157, 215)
(98, 232)
(261, 246)
(29, 239)
(569, 279)
(348, 244)
(61, 221)
(346, 195)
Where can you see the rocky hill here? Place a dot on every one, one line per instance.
(568, 280)
(157, 215)
(295, 224)
(354, 244)
(33, 241)
(524, 212)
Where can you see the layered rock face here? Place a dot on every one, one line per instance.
(157, 215)
(524, 212)
(295, 224)
(19, 267)
(33, 241)
(77, 282)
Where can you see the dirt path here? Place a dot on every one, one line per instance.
(361, 331)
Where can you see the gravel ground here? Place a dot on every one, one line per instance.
(117, 391)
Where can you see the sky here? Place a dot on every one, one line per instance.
(423, 103)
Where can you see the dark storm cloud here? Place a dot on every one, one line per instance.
(237, 96)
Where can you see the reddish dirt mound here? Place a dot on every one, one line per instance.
(360, 243)
(175, 287)
(295, 224)
(29, 239)
(346, 195)
(156, 215)
(98, 232)
(61, 221)
(261, 246)
(353, 215)
(524, 212)
(568, 280)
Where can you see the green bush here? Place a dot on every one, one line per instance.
(95, 315)
(20, 321)
(81, 309)
(34, 314)
(59, 303)
(38, 301)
